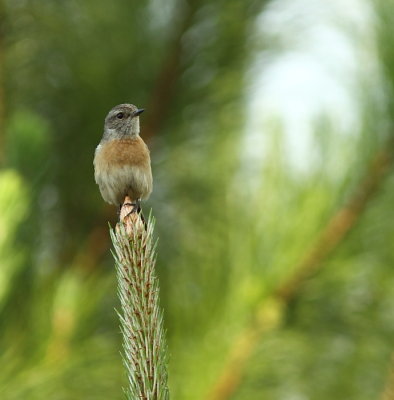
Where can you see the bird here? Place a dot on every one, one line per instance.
(121, 162)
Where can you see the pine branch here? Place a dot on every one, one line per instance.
(141, 319)
(164, 90)
(333, 234)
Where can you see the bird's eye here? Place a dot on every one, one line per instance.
(119, 115)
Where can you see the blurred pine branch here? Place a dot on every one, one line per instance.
(268, 314)
(163, 91)
(145, 351)
(340, 223)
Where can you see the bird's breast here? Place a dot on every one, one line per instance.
(122, 152)
(122, 167)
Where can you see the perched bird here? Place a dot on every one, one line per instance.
(121, 161)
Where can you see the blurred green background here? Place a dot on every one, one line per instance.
(270, 125)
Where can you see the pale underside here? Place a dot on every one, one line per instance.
(117, 182)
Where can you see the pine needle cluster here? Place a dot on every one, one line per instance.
(141, 319)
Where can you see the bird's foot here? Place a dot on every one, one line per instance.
(135, 205)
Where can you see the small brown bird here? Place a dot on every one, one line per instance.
(121, 161)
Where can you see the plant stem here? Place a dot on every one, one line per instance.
(141, 319)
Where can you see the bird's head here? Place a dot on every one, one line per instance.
(122, 121)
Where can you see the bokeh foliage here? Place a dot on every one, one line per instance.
(231, 235)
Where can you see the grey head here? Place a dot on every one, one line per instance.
(123, 120)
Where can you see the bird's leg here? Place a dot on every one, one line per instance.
(127, 204)
(131, 211)
(128, 207)
(138, 202)
(139, 211)
(136, 207)
(130, 203)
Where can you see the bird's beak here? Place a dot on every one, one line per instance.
(138, 112)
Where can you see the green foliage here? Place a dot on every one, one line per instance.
(145, 353)
(15, 206)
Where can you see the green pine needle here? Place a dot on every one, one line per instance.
(141, 319)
